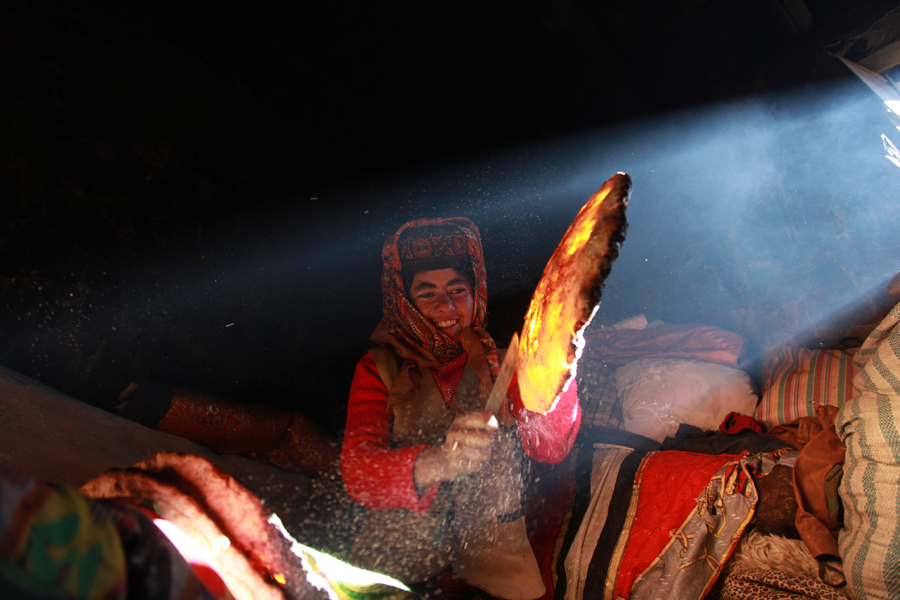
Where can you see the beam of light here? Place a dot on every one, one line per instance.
(333, 575)
(200, 557)
(187, 546)
(739, 210)
(890, 150)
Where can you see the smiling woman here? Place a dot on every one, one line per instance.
(444, 296)
(443, 476)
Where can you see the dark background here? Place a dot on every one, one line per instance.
(197, 193)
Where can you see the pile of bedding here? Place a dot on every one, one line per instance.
(824, 419)
(684, 462)
(649, 378)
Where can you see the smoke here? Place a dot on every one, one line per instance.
(774, 217)
(775, 212)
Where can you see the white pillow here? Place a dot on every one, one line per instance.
(658, 394)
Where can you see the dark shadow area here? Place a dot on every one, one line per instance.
(198, 194)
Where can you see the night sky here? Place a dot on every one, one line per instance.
(199, 191)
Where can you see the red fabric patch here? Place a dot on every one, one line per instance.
(668, 484)
(736, 423)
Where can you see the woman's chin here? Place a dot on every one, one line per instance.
(453, 332)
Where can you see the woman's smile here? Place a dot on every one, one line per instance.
(444, 297)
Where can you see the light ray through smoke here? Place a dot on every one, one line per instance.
(763, 215)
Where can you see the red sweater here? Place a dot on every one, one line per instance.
(380, 477)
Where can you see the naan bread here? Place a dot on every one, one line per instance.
(568, 294)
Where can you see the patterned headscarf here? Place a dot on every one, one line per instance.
(428, 244)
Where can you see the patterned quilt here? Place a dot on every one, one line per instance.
(647, 524)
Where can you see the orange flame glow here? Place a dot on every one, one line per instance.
(561, 307)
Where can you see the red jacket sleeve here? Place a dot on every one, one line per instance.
(374, 474)
(548, 437)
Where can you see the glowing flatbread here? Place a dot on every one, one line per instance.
(568, 295)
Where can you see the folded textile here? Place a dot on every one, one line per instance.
(617, 347)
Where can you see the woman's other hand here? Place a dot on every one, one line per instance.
(466, 449)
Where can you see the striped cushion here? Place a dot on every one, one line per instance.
(798, 380)
(869, 425)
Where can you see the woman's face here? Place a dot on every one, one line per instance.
(445, 298)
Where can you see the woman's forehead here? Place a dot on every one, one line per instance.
(438, 277)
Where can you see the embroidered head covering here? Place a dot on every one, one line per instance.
(430, 244)
(433, 247)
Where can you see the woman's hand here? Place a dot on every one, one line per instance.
(466, 449)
